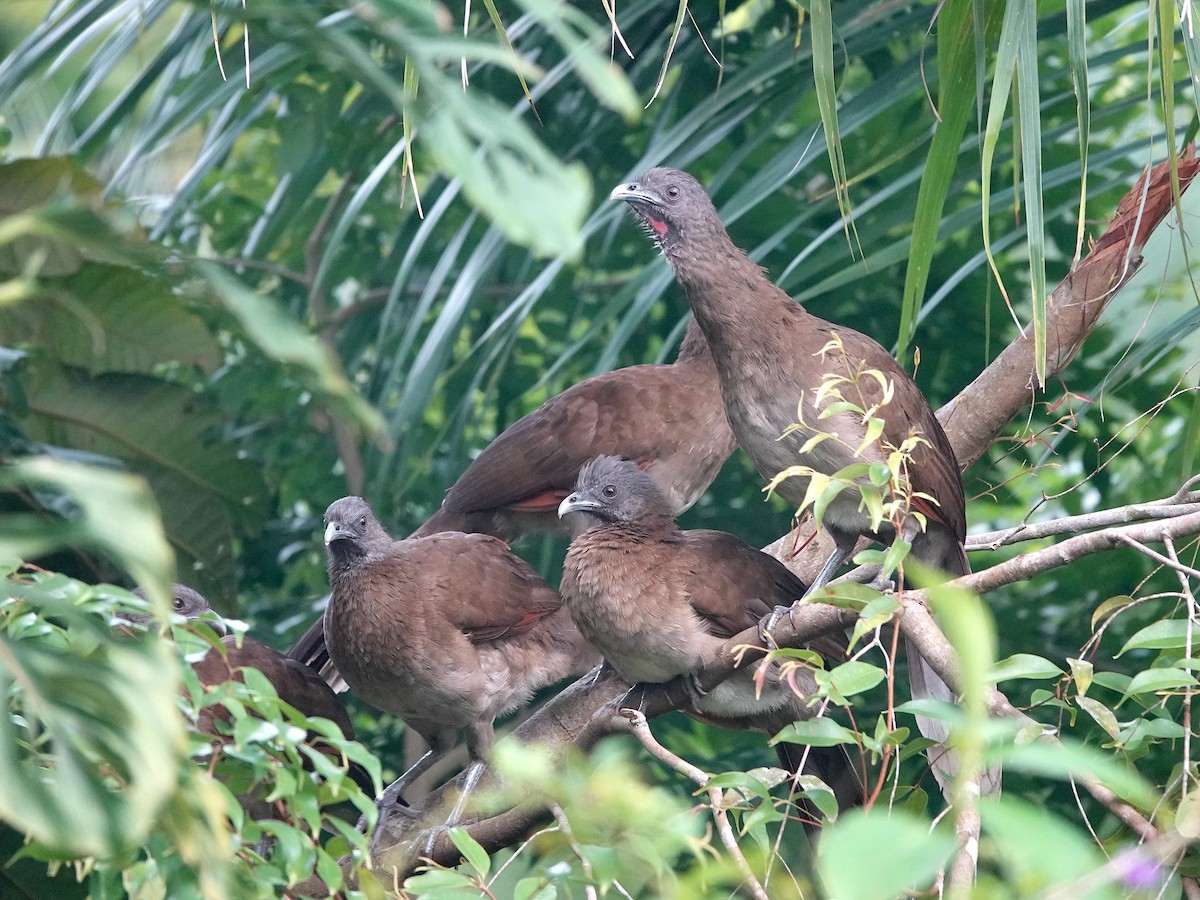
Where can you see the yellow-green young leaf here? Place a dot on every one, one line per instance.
(1154, 680)
(1169, 634)
(1023, 665)
(821, 732)
(1108, 607)
(1103, 716)
(1081, 672)
(905, 854)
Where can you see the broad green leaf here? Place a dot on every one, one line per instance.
(906, 854)
(1037, 848)
(106, 318)
(854, 677)
(475, 855)
(1166, 634)
(1023, 665)
(1068, 759)
(819, 732)
(1153, 680)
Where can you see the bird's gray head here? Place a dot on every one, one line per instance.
(674, 209)
(614, 490)
(186, 602)
(352, 532)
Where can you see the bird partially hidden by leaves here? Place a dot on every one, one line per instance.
(659, 601)
(447, 632)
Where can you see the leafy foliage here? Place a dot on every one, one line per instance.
(355, 209)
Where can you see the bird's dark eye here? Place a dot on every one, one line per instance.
(673, 192)
(362, 522)
(178, 601)
(609, 491)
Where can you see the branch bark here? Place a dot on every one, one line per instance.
(586, 711)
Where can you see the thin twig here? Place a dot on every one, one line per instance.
(1158, 557)
(641, 730)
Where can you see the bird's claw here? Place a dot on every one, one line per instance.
(695, 691)
(883, 585)
(390, 802)
(766, 627)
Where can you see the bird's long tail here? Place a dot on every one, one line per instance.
(925, 683)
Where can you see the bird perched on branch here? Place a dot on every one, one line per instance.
(668, 418)
(657, 602)
(447, 631)
(784, 374)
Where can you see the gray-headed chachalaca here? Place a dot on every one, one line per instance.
(447, 631)
(773, 356)
(657, 601)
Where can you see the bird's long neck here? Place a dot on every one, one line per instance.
(731, 296)
(694, 346)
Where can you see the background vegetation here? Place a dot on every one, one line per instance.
(346, 266)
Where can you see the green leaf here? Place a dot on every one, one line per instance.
(1038, 849)
(105, 318)
(92, 734)
(853, 677)
(819, 732)
(283, 339)
(1023, 665)
(1167, 634)
(1069, 759)
(1110, 606)
(475, 855)
(1153, 680)
(905, 854)
(1103, 716)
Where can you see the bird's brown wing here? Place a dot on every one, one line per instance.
(482, 588)
(295, 683)
(733, 585)
(634, 413)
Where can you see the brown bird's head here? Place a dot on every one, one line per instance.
(353, 536)
(611, 490)
(674, 209)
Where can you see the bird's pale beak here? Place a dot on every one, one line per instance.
(577, 502)
(336, 531)
(633, 192)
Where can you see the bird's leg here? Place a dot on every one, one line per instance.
(392, 799)
(622, 702)
(843, 546)
(470, 780)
